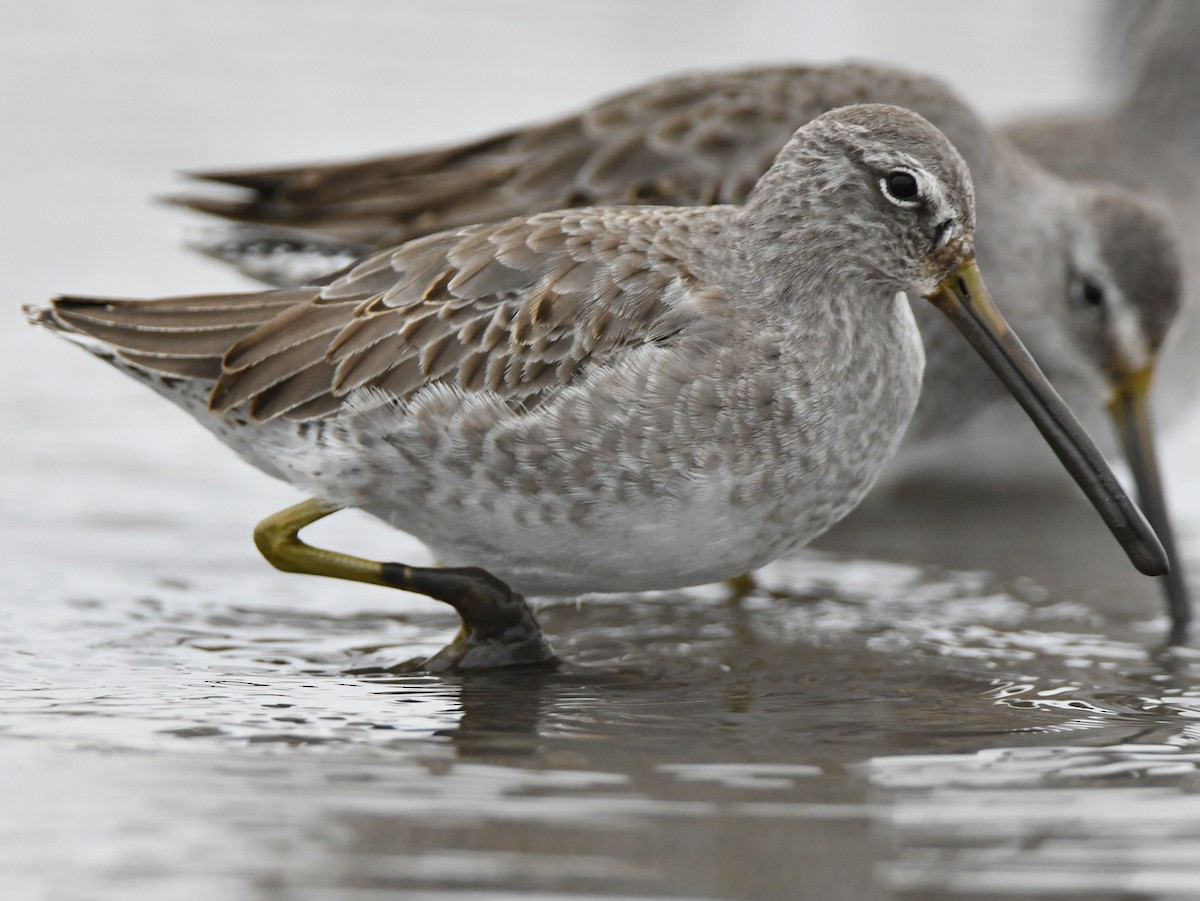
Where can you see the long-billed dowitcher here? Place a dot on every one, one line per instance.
(605, 399)
(1087, 273)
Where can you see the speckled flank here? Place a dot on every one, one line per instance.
(276, 256)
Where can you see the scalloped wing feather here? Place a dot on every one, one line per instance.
(518, 308)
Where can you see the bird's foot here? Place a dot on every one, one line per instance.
(498, 628)
(740, 587)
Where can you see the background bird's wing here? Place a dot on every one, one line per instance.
(690, 140)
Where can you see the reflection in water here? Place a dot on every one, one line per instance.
(501, 717)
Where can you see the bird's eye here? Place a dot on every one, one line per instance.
(900, 187)
(1091, 293)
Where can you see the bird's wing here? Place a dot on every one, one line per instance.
(517, 308)
(689, 140)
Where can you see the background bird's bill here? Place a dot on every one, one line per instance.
(962, 297)
(1129, 407)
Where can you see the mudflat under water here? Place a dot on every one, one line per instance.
(956, 694)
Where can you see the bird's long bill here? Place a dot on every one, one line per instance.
(962, 297)
(1129, 407)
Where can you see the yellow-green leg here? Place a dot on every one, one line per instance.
(740, 587)
(498, 628)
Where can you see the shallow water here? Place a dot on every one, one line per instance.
(955, 695)
(884, 730)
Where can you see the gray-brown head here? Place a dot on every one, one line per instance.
(887, 198)
(1122, 284)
